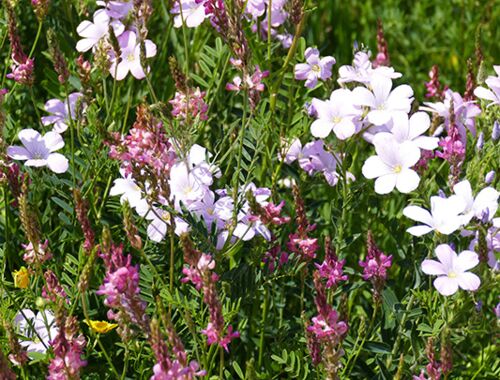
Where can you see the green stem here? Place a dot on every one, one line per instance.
(37, 37)
(360, 347)
(263, 325)
(400, 332)
(221, 363)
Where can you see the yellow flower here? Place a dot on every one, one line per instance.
(101, 327)
(21, 278)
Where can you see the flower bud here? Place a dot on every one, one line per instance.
(495, 133)
(489, 177)
(480, 141)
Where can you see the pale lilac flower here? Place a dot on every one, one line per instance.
(39, 150)
(445, 216)
(451, 270)
(492, 243)
(492, 94)
(131, 57)
(362, 71)
(465, 112)
(412, 130)
(485, 201)
(392, 165)
(93, 32)
(39, 329)
(256, 8)
(185, 187)
(316, 68)
(117, 9)
(60, 112)
(383, 102)
(192, 13)
(337, 114)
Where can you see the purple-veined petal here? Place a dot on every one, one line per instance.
(18, 153)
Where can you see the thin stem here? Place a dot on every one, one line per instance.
(221, 363)
(360, 347)
(96, 336)
(37, 37)
(263, 325)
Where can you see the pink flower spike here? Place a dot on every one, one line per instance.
(451, 270)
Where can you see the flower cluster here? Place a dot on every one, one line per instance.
(375, 266)
(109, 25)
(200, 274)
(121, 288)
(313, 158)
(68, 348)
(326, 331)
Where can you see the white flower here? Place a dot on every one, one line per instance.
(362, 70)
(412, 129)
(93, 32)
(60, 112)
(130, 192)
(485, 201)
(391, 166)
(39, 330)
(190, 12)
(452, 270)
(444, 217)
(337, 114)
(383, 102)
(38, 150)
(494, 84)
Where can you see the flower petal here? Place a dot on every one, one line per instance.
(419, 230)
(466, 260)
(446, 286)
(385, 184)
(468, 281)
(53, 141)
(418, 214)
(321, 128)
(57, 163)
(407, 181)
(433, 267)
(18, 153)
(374, 167)
(446, 255)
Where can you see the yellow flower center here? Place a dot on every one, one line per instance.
(130, 57)
(397, 169)
(316, 68)
(452, 274)
(337, 119)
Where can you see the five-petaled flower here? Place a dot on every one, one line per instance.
(39, 150)
(316, 68)
(451, 270)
